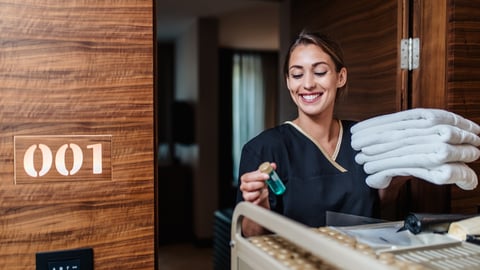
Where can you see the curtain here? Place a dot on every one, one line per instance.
(248, 100)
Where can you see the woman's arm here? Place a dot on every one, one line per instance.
(254, 190)
(249, 227)
(389, 195)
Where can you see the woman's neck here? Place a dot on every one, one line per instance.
(324, 129)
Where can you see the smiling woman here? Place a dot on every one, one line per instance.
(312, 153)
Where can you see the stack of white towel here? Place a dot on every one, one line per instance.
(430, 144)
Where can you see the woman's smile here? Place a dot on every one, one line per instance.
(310, 97)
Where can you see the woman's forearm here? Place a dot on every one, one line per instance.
(390, 194)
(250, 228)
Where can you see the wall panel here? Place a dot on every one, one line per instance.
(78, 67)
(463, 82)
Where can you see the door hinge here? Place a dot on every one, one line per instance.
(410, 53)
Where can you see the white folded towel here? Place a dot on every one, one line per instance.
(449, 173)
(385, 147)
(425, 160)
(430, 144)
(374, 143)
(414, 118)
(442, 151)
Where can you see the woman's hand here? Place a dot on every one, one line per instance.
(254, 188)
(390, 193)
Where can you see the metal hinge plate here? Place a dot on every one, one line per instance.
(410, 53)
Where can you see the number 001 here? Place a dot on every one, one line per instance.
(47, 159)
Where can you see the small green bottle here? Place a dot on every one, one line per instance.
(274, 182)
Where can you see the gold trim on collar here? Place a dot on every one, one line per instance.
(337, 147)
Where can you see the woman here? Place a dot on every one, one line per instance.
(312, 154)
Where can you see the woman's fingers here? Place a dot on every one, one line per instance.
(253, 181)
(253, 186)
(263, 195)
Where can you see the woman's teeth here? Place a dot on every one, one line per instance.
(310, 97)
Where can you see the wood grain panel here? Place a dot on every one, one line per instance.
(429, 80)
(464, 81)
(370, 33)
(428, 89)
(76, 67)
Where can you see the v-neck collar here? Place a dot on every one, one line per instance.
(332, 158)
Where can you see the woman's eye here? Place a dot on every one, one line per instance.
(296, 76)
(320, 73)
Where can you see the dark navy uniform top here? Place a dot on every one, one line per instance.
(315, 183)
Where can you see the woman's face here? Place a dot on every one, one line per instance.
(313, 80)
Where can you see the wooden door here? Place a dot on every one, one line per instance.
(428, 88)
(78, 76)
(463, 81)
(448, 79)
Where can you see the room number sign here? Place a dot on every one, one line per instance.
(62, 158)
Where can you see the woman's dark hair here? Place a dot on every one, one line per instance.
(328, 45)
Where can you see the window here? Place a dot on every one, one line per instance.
(248, 102)
(254, 75)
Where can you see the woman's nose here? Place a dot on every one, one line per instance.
(309, 81)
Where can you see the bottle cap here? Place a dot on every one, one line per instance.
(265, 167)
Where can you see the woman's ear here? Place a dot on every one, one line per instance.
(287, 82)
(342, 77)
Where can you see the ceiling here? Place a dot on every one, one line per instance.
(174, 16)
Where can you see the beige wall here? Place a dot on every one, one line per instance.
(251, 28)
